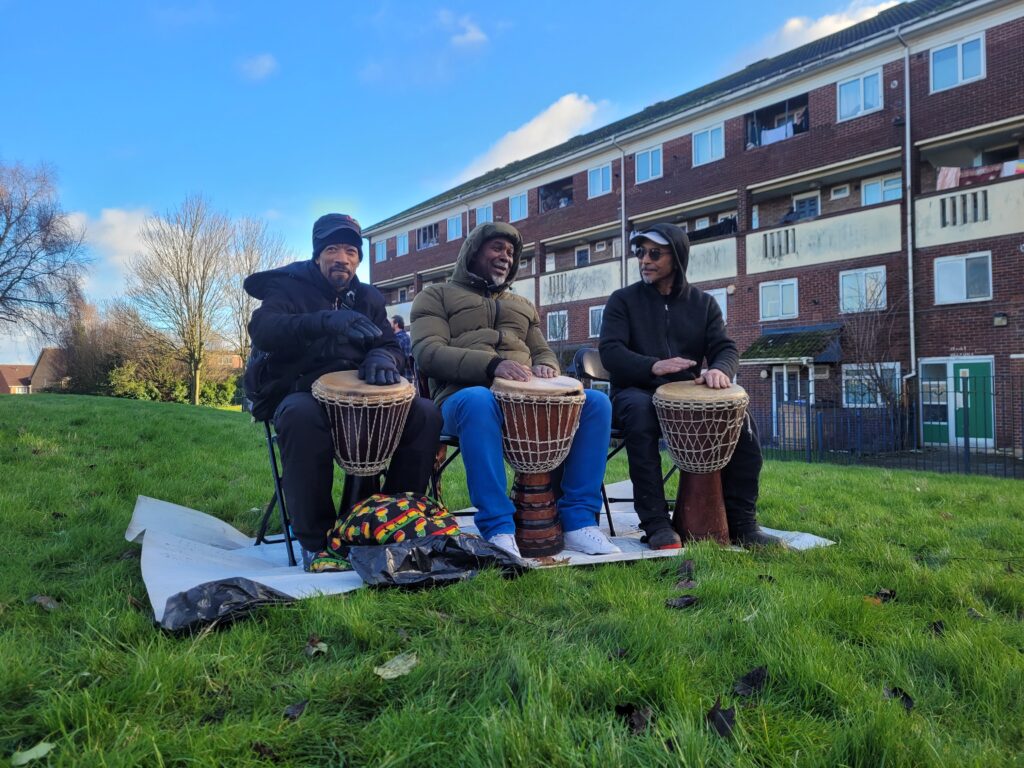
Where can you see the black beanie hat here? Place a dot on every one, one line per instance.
(336, 229)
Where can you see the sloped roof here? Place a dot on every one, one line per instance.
(15, 376)
(884, 22)
(820, 344)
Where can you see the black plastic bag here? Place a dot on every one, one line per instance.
(431, 561)
(217, 601)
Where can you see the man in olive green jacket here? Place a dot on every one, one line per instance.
(472, 330)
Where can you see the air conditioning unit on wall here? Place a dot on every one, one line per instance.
(819, 371)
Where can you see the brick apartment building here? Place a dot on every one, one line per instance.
(856, 206)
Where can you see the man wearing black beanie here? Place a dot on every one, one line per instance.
(316, 317)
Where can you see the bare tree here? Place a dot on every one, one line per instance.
(253, 249)
(179, 282)
(870, 337)
(41, 254)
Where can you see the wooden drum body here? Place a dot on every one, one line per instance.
(540, 420)
(701, 426)
(366, 420)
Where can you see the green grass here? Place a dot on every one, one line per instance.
(512, 672)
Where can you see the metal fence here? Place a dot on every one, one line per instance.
(960, 424)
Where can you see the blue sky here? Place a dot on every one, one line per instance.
(286, 113)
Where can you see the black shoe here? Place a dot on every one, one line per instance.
(664, 538)
(756, 537)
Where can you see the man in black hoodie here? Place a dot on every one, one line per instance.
(317, 317)
(660, 330)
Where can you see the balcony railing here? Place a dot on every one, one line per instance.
(970, 213)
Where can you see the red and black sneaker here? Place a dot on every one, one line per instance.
(664, 538)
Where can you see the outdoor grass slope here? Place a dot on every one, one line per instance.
(511, 672)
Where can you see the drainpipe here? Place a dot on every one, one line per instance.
(908, 202)
(622, 211)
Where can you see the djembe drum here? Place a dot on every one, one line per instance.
(366, 419)
(541, 417)
(701, 426)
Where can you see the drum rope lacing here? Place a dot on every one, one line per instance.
(701, 436)
(527, 417)
(365, 430)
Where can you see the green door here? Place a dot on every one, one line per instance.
(973, 387)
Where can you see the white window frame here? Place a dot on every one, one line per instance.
(402, 244)
(962, 258)
(526, 206)
(721, 296)
(839, 192)
(882, 181)
(590, 318)
(702, 223)
(861, 275)
(711, 147)
(485, 217)
(807, 196)
(849, 374)
(604, 175)
(380, 251)
(576, 255)
(457, 220)
(780, 284)
(861, 112)
(959, 45)
(647, 156)
(564, 315)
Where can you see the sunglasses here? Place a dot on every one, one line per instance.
(654, 254)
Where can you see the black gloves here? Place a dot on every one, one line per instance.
(355, 325)
(379, 368)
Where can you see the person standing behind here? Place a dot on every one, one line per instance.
(656, 331)
(473, 330)
(405, 342)
(317, 317)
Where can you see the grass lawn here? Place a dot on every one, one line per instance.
(517, 672)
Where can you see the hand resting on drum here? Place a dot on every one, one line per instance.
(714, 378)
(544, 371)
(671, 365)
(355, 325)
(510, 369)
(379, 368)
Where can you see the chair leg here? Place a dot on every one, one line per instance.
(607, 511)
(276, 501)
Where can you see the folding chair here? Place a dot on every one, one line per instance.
(588, 365)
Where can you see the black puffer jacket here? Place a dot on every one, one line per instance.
(641, 327)
(291, 349)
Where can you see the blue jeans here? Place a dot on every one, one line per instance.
(473, 415)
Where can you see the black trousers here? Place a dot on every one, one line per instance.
(633, 412)
(307, 453)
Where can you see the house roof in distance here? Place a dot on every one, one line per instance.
(15, 376)
(883, 23)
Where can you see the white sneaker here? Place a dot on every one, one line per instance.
(507, 542)
(590, 541)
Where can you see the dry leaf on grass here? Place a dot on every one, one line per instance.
(686, 584)
(265, 752)
(899, 693)
(45, 602)
(42, 749)
(637, 718)
(400, 665)
(722, 720)
(686, 601)
(751, 683)
(685, 570)
(294, 711)
(314, 646)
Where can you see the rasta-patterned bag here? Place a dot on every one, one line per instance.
(387, 519)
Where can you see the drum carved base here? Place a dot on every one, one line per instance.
(700, 508)
(538, 529)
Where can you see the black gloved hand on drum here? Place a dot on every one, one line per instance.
(355, 325)
(379, 368)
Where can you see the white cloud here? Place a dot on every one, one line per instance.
(258, 67)
(798, 30)
(466, 33)
(112, 239)
(567, 117)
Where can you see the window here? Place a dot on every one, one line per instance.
(861, 290)
(727, 215)
(599, 180)
(380, 251)
(648, 164)
(958, 63)
(870, 385)
(549, 262)
(517, 207)
(860, 95)
(778, 299)
(838, 193)
(881, 190)
(402, 242)
(755, 218)
(403, 295)
(807, 205)
(702, 223)
(558, 325)
(963, 278)
(484, 214)
(596, 316)
(719, 295)
(426, 237)
(557, 194)
(708, 145)
(454, 227)
(582, 256)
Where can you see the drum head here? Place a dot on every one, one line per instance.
(689, 392)
(347, 384)
(538, 387)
